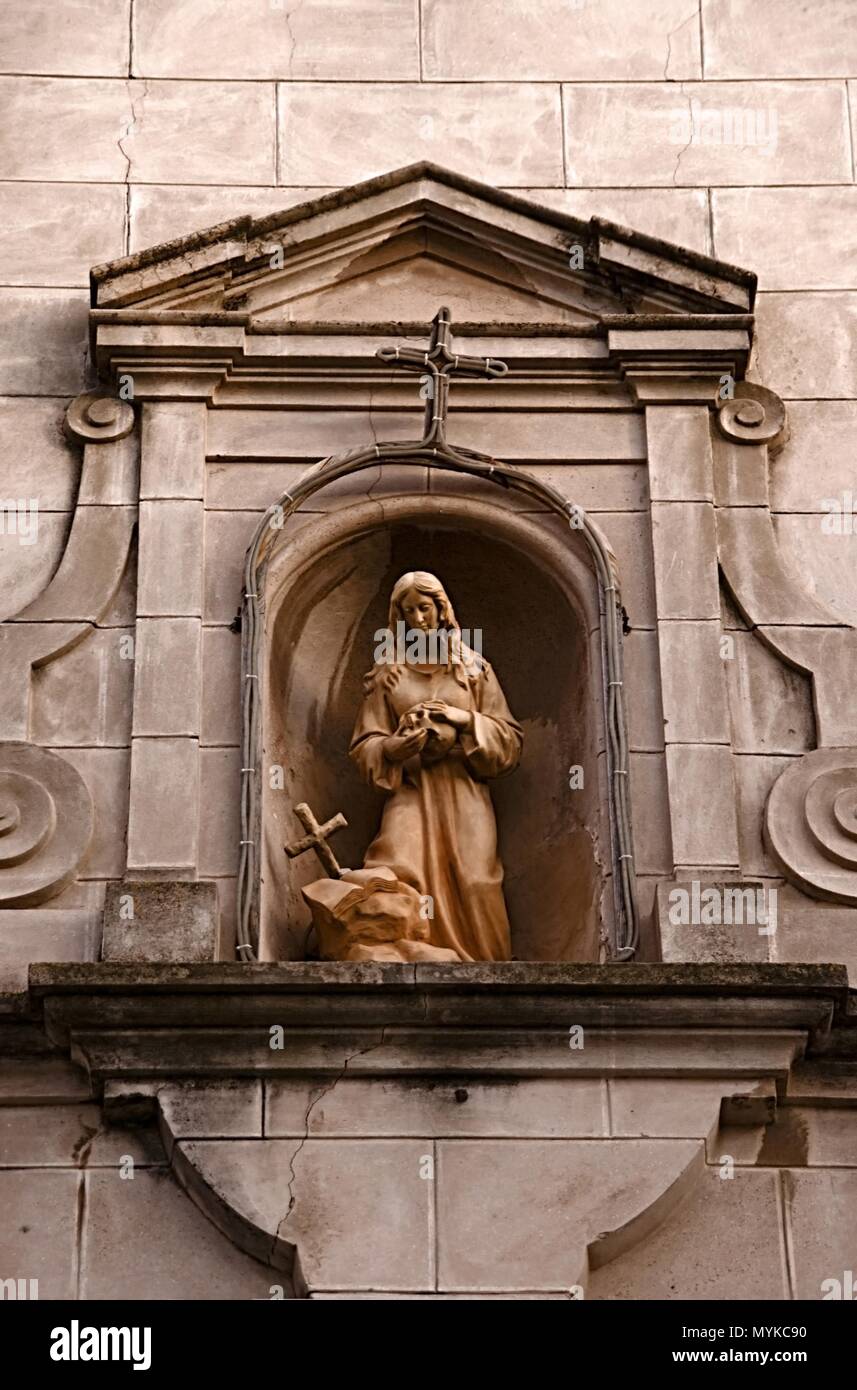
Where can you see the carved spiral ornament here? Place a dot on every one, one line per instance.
(95, 418)
(45, 824)
(754, 415)
(811, 823)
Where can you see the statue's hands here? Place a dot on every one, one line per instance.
(461, 719)
(398, 748)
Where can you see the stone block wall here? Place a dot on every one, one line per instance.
(728, 128)
(424, 1188)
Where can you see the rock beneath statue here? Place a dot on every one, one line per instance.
(371, 915)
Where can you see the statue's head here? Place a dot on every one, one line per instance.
(420, 601)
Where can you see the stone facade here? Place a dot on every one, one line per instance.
(195, 173)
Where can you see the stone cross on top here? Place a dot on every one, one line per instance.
(438, 365)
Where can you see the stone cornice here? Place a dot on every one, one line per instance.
(156, 1020)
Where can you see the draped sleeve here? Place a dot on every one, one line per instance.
(493, 746)
(375, 722)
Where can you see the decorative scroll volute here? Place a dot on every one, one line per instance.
(96, 418)
(46, 823)
(754, 415)
(811, 823)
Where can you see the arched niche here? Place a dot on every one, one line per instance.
(528, 583)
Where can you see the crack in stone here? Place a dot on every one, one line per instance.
(686, 147)
(288, 16)
(680, 25)
(324, 1091)
(81, 1154)
(130, 127)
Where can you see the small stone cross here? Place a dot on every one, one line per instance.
(438, 365)
(316, 839)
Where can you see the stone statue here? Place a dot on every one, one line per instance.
(434, 726)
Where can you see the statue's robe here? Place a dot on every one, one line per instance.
(438, 831)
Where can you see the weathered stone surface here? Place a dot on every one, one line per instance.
(163, 834)
(26, 568)
(79, 36)
(513, 137)
(110, 476)
(760, 227)
(810, 1136)
(702, 804)
(816, 462)
(33, 429)
(167, 677)
(652, 842)
(173, 450)
(770, 703)
(685, 560)
(68, 128)
(680, 464)
(42, 1081)
(159, 921)
(221, 686)
(824, 561)
(829, 653)
(809, 930)
(227, 907)
(642, 691)
(70, 1136)
(807, 350)
(532, 1208)
(736, 1222)
(170, 559)
(350, 1186)
(514, 436)
(28, 934)
(681, 1110)
(679, 215)
(39, 1242)
(63, 128)
(822, 1216)
(747, 936)
(51, 234)
(558, 40)
(91, 568)
(223, 1109)
(146, 1238)
(629, 537)
(650, 133)
(763, 575)
(771, 38)
(162, 212)
(754, 778)
(83, 699)
(693, 683)
(105, 771)
(314, 40)
(536, 1108)
(43, 341)
(227, 536)
(219, 808)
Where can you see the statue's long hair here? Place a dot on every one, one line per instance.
(466, 664)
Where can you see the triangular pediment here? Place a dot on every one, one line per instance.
(396, 246)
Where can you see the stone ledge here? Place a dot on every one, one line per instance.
(214, 1020)
(692, 978)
